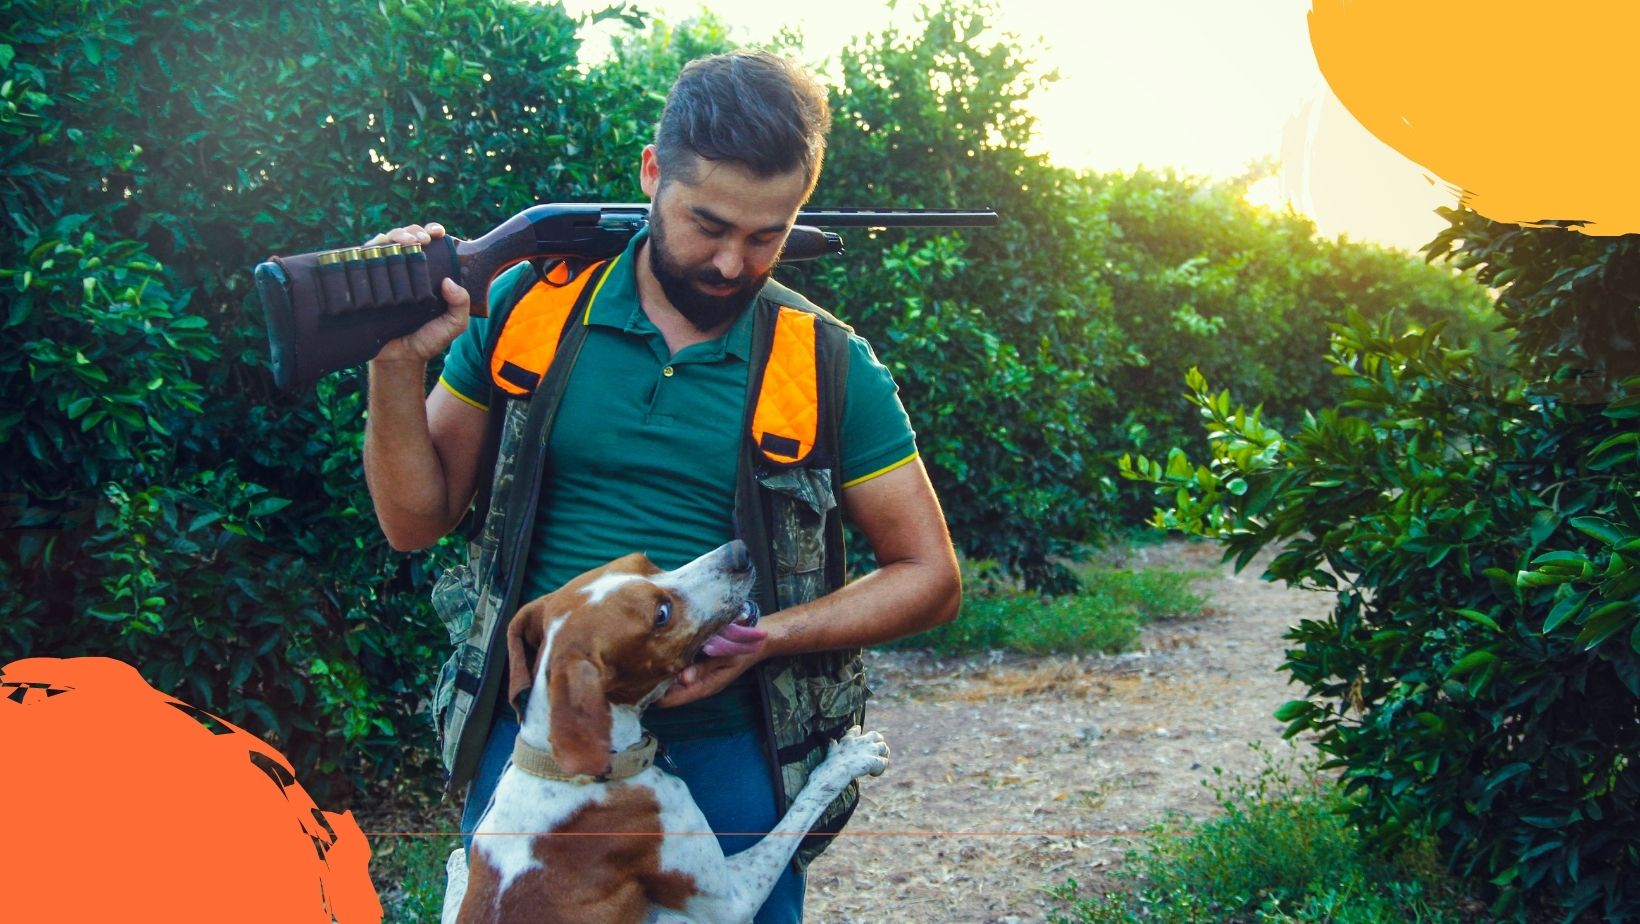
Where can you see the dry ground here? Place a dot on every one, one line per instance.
(1012, 773)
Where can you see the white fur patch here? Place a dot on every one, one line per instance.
(536, 708)
(600, 587)
(524, 806)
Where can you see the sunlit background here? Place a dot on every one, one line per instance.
(1206, 87)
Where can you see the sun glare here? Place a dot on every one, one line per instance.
(1267, 194)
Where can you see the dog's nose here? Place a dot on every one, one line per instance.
(739, 559)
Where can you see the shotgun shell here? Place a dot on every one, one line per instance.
(398, 276)
(421, 288)
(381, 288)
(333, 283)
(358, 278)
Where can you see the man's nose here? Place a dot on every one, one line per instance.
(729, 261)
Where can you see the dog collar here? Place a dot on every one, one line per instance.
(628, 763)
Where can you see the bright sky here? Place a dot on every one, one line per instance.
(1203, 86)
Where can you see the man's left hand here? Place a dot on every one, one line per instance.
(729, 653)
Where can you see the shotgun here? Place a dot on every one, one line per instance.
(332, 309)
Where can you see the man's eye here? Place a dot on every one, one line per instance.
(710, 232)
(663, 613)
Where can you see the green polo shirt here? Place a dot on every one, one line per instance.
(642, 455)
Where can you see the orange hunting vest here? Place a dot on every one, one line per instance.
(786, 416)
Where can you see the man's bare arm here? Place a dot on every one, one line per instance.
(420, 461)
(917, 585)
(420, 453)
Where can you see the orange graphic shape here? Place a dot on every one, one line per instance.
(1524, 107)
(119, 803)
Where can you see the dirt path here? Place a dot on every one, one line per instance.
(1097, 746)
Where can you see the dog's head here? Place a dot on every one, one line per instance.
(619, 635)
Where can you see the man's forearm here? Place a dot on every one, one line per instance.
(401, 465)
(900, 599)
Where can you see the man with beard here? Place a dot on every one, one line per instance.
(643, 452)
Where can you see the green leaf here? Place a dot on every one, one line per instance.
(1564, 610)
(1506, 774)
(1598, 528)
(1543, 523)
(1539, 579)
(1178, 466)
(268, 505)
(1471, 661)
(79, 406)
(1478, 616)
(1604, 622)
(1293, 709)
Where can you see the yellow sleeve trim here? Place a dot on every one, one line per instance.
(452, 390)
(882, 471)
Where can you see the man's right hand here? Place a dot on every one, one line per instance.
(434, 337)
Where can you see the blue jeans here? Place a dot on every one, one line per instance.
(729, 777)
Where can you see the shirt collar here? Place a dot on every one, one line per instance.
(615, 305)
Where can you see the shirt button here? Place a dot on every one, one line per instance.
(667, 372)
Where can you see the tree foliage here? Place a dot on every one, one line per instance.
(1479, 677)
(162, 503)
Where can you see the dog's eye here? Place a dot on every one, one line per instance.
(663, 613)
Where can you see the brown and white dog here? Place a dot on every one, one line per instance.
(582, 828)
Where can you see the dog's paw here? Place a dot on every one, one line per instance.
(864, 753)
(455, 889)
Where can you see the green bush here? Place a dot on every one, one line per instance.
(161, 503)
(1281, 851)
(1479, 677)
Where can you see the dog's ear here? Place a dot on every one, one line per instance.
(580, 715)
(523, 647)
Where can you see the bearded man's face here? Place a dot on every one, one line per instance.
(716, 231)
(700, 293)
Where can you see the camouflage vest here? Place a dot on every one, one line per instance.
(786, 511)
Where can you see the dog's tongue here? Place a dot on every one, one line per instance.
(734, 639)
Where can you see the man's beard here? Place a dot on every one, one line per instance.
(705, 312)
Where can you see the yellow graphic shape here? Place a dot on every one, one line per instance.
(1524, 107)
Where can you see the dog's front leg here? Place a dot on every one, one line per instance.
(752, 873)
(455, 889)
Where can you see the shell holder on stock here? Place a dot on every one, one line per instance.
(367, 297)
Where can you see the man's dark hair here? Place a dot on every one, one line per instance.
(750, 107)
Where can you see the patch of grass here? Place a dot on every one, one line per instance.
(408, 868)
(1281, 852)
(1105, 615)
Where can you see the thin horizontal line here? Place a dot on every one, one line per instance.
(760, 834)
